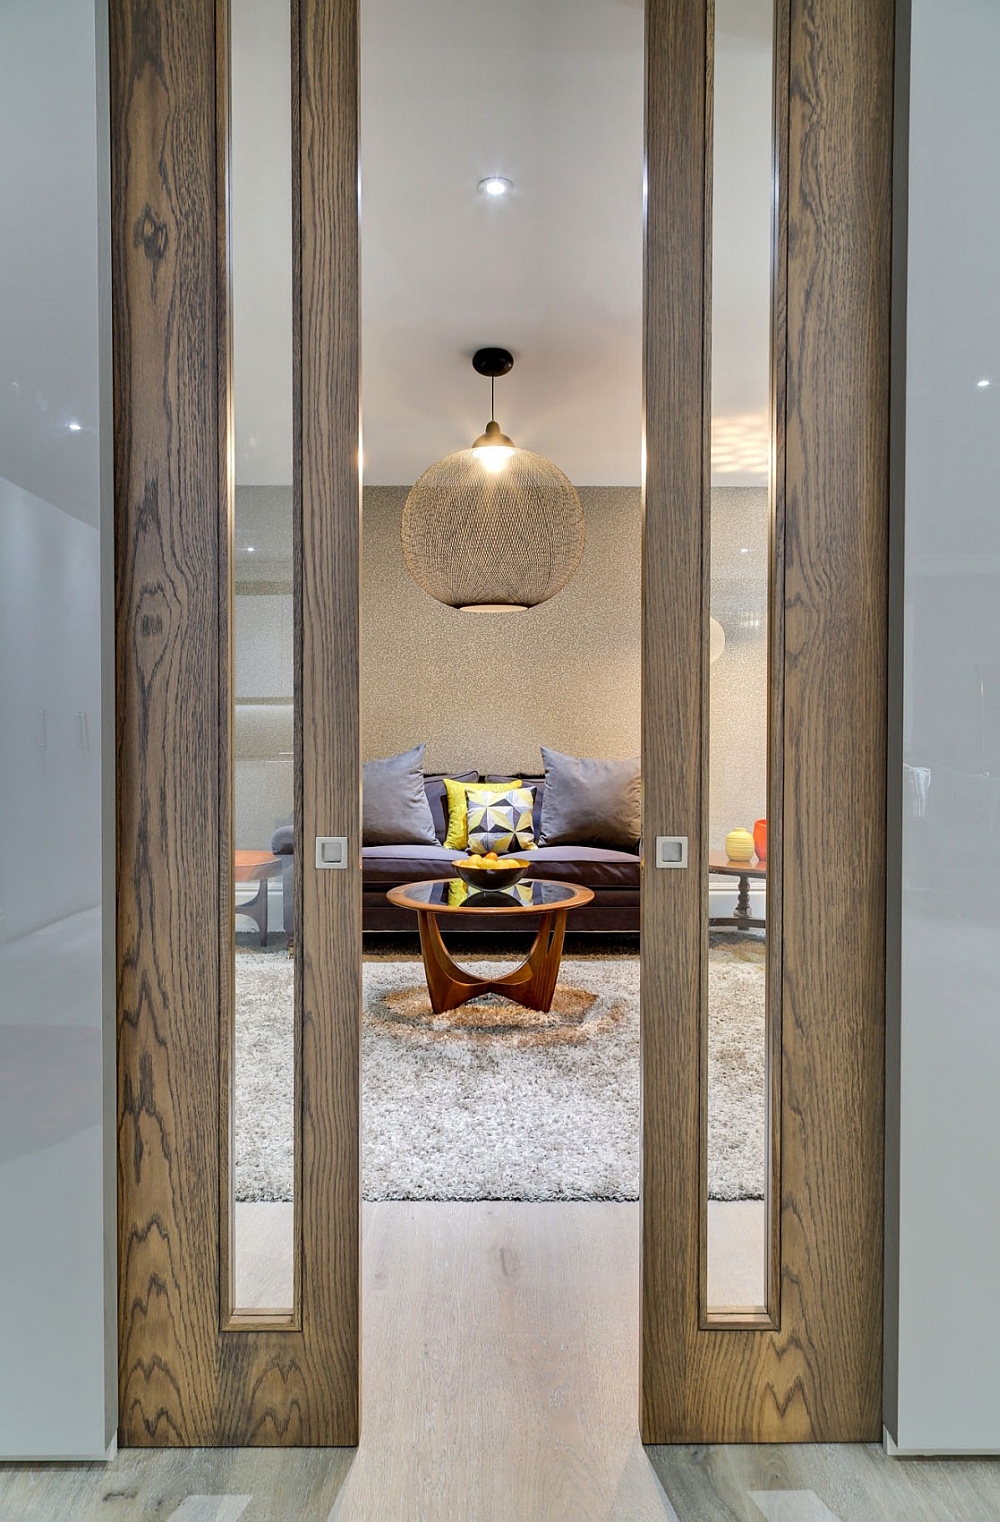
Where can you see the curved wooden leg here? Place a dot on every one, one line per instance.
(533, 984)
(448, 985)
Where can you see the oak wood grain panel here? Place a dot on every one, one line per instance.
(674, 656)
(327, 706)
(164, 176)
(184, 1380)
(818, 1376)
(836, 622)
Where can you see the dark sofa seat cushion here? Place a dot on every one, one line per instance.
(588, 866)
(390, 865)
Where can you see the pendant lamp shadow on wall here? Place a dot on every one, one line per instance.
(494, 528)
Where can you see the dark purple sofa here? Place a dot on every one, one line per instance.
(612, 874)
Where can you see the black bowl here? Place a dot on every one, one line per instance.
(491, 877)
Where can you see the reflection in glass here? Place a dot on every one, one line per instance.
(263, 770)
(738, 781)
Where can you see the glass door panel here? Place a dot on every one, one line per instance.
(262, 1121)
(737, 1111)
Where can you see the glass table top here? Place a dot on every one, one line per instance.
(456, 894)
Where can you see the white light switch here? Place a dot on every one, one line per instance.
(331, 850)
(671, 850)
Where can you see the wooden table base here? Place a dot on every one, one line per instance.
(741, 918)
(533, 984)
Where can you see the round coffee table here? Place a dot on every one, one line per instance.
(533, 984)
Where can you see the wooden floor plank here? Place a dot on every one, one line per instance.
(499, 1384)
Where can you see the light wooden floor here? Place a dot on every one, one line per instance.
(735, 1254)
(499, 1385)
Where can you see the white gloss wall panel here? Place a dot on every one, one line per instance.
(50, 698)
(57, 1086)
(949, 1140)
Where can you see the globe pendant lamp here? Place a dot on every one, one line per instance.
(494, 528)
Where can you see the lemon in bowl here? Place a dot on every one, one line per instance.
(491, 871)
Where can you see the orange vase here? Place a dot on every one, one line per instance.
(760, 839)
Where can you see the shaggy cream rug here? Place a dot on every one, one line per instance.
(492, 1101)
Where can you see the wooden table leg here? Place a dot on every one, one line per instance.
(533, 984)
(741, 913)
(448, 985)
(256, 909)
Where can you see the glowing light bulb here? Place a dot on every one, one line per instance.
(494, 456)
(495, 185)
(493, 449)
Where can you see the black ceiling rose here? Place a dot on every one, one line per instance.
(492, 361)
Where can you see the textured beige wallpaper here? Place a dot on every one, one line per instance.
(485, 690)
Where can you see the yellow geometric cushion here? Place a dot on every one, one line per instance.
(457, 838)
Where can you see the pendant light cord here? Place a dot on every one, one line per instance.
(493, 405)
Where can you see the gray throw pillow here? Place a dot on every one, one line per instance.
(590, 803)
(394, 807)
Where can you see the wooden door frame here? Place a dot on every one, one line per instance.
(811, 1369)
(190, 1372)
(186, 1377)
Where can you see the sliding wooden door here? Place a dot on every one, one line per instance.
(194, 1369)
(805, 1364)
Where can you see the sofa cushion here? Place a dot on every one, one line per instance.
(437, 797)
(538, 784)
(394, 807)
(390, 865)
(500, 821)
(590, 802)
(283, 840)
(587, 866)
(457, 792)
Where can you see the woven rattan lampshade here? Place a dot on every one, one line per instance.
(474, 537)
(490, 527)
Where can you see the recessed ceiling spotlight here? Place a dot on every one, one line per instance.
(982, 384)
(74, 427)
(495, 185)
(249, 549)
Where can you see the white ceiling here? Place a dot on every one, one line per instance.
(548, 93)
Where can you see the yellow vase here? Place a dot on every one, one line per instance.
(739, 845)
